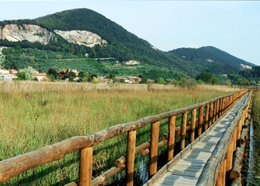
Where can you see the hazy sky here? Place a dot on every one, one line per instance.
(232, 26)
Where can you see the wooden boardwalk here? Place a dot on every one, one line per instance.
(186, 167)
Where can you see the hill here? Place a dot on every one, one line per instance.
(212, 60)
(86, 40)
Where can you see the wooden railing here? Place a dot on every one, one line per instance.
(208, 112)
(225, 164)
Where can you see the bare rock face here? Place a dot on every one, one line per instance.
(79, 37)
(31, 33)
(34, 33)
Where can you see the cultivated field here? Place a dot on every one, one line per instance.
(35, 114)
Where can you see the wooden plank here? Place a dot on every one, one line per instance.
(194, 160)
(197, 156)
(186, 167)
(172, 179)
(206, 145)
(212, 139)
(190, 173)
(189, 163)
(205, 148)
(175, 184)
(186, 170)
(215, 133)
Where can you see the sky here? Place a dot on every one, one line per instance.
(232, 26)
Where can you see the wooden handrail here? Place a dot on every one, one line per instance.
(222, 157)
(16, 165)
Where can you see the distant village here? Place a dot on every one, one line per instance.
(9, 75)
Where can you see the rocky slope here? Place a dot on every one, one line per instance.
(34, 33)
(31, 33)
(79, 37)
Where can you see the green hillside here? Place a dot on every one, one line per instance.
(211, 59)
(121, 47)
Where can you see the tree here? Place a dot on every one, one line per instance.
(227, 82)
(21, 75)
(26, 74)
(52, 72)
(71, 76)
(144, 80)
(188, 82)
(110, 76)
(243, 81)
(82, 74)
(94, 80)
(29, 73)
(160, 80)
(208, 77)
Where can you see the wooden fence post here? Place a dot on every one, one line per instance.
(155, 129)
(193, 123)
(85, 172)
(183, 129)
(235, 139)
(244, 116)
(220, 107)
(206, 118)
(225, 105)
(214, 111)
(200, 120)
(171, 139)
(130, 161)
(239, 129)
(210, 114)
(221, 180)
(230, 155)
(217, 108)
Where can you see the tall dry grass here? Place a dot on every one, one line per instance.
(34, 115)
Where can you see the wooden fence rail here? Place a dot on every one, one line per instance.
(221, 166)
(208, 112)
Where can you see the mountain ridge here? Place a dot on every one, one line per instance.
(124, 46)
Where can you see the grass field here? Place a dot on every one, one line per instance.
(34, 115)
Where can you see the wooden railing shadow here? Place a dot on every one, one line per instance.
(201, 116)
